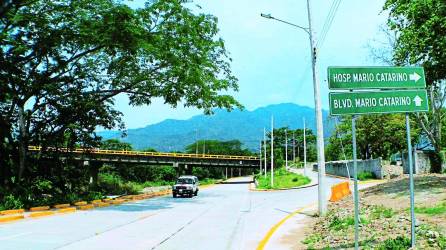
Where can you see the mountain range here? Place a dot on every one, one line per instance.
(246, 126)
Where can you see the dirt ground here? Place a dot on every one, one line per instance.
(430, 190)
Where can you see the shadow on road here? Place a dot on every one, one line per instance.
(237, 182)
(158, 203)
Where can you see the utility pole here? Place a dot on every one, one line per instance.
(264, 149)
(294, 149)
(260, 157)
(286, 150)
(272, 151)
(196, 141)
(305, 150)
(322, 199)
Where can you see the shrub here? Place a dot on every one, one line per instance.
(113, 184)
(93, 195)
(11, 202)
(399, 243)
(366, 176)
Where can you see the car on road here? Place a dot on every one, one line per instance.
(186, 185)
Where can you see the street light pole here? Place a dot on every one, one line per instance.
(264, 149)
(294, 149)
(272, 151)
(196, 142)
(286, 150)
(260, 158)
(322, 199)
(305, 150)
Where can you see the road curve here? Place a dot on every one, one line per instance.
(226, 216)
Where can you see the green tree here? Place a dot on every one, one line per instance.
(376, 136)
(232, 147)
(115, 144)
(279, 145)
(420, 28)
(63, 62)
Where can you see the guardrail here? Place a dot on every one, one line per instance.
(141, 153)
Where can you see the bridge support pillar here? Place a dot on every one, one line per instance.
(93, 168)
(188, 169)
(177, 167)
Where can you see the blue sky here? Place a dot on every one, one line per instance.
(271, 59)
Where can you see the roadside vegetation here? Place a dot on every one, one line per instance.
(384, 218)
(66, 79)
(282, 179)
(122, 179)
(363, 176)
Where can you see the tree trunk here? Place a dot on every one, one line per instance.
(22, 142)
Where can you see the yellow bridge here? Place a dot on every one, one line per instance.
(157, 158)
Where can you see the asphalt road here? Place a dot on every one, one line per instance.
(226, 216)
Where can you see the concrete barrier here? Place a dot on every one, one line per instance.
(41, 208)
(66, 210)
(86, 207)
(8, 218)
(80, 203)
(61, 205)
(94, 202)
(40, 214)
(12, 211)
(339, 191)
(339, 168)
(103, 204)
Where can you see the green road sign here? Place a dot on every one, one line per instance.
(378, 102)
(376, 77)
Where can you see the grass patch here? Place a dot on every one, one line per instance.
(399, 243)
(208, 181)
(311, 240)
(435, 210)
(282, 179)
(379, 212)
(363, 176)
(343, 223)
(340, 224)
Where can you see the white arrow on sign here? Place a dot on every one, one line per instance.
(417, 101)
(414, 77)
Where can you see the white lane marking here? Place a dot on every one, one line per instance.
(14, 236)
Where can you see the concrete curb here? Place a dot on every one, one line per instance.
(35, 212)
(10, 218)
(41, 208)
(40, 214)
(62, 205)
(66, 210)
(12, 211)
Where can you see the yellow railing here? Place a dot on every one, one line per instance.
(140, 153)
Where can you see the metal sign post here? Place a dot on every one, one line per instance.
(355, 179)
(411, 184)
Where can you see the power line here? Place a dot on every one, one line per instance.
(328, 22)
